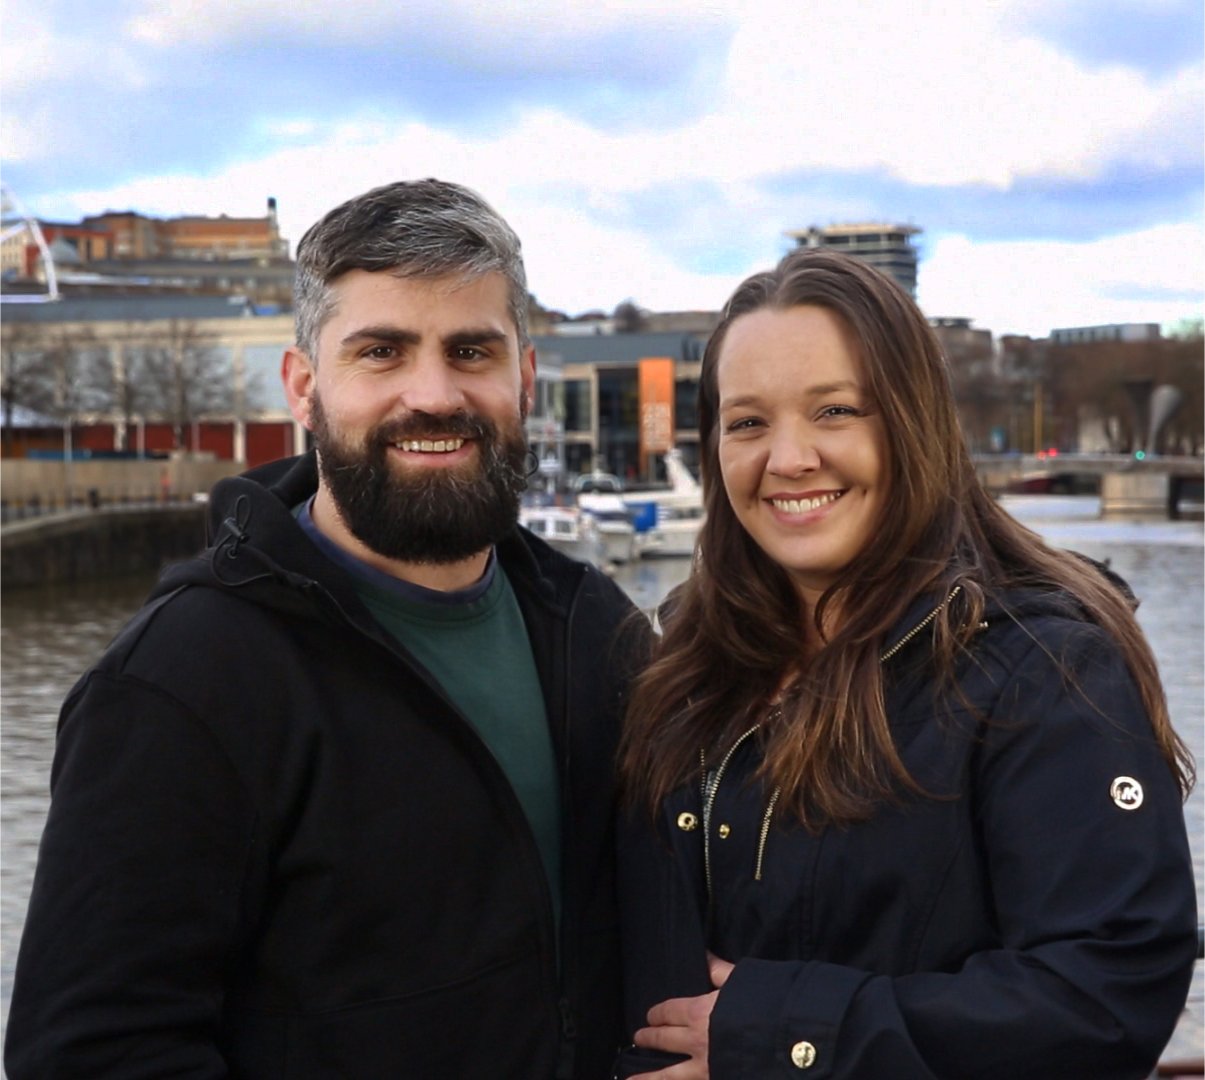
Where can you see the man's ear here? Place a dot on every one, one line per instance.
(297, 374)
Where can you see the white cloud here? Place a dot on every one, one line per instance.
(1034, 287)
(36, 59)
(23, 134)
(922, 91)
(930, 94)
(574, 263)
(512, 29)
(927, 92)
(933, 97)
(29, 51)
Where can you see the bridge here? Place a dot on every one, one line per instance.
(1150, 486)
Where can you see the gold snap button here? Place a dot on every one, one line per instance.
(803, 1055)
(687, 821)
(724, 831)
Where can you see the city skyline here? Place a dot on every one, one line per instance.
(1051, 152)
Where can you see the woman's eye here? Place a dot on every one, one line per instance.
(839, 411)
(745, 423)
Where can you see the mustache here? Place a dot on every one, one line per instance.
(419, 425)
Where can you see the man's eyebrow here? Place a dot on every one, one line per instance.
(486, 335)
(393, 335)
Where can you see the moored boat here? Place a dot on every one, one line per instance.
(668, 522)
(613, 521)
(566, 528)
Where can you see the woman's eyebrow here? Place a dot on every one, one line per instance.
(819, 390)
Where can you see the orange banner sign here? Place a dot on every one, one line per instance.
(656, 407)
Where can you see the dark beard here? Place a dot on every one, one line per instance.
(431, 516)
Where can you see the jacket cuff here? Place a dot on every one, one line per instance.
(780, 1019)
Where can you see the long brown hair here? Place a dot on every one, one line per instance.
(734, 630)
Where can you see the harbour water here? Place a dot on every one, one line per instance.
(49, 636)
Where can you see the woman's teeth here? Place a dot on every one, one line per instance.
(802, 506)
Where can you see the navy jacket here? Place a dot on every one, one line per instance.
(1034, 918)
(276, 849)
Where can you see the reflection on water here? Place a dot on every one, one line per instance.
(49, 636)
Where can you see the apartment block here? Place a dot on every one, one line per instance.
(886, 247)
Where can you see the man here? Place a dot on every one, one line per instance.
(337, 802)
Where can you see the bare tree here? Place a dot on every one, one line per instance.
(978, 391)
(1090, 378)
(630, 317)
(22, 372)
(129, 400)
(1188, 330)
(180, 377)
(58, 371)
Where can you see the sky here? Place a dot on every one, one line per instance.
(653, 150)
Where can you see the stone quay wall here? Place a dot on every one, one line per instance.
(87, 544)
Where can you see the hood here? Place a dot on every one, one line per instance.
(1009, 603)
(255, 545)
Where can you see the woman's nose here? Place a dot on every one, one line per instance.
(793, 453)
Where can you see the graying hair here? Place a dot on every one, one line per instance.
(419, 228)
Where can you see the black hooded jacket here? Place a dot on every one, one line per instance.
(1033, 915)
(276, 849)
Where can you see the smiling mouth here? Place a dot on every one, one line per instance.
(429, 446)
(803, 506)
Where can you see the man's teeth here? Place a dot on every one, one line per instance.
(429, 446)
(802, 506)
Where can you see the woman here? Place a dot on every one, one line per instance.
(904, 796)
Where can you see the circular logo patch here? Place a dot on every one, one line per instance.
(1126, 792)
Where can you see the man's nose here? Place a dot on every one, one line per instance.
(430, 385)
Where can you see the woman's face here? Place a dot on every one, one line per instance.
(802, 450)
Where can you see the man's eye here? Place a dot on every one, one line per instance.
(381, 352)
(467, 352)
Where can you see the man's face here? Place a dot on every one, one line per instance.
(417, 402)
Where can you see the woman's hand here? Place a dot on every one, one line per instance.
(681, 1025)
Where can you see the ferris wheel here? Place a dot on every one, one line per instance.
(19, 228)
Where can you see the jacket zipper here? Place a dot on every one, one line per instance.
(567, 1050)
(565, 970)
(765, 833)
(920, 625)
(711, 784)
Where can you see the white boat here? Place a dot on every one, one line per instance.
(613, 521)
(668, 522)
(567, 529)
(597, 482)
